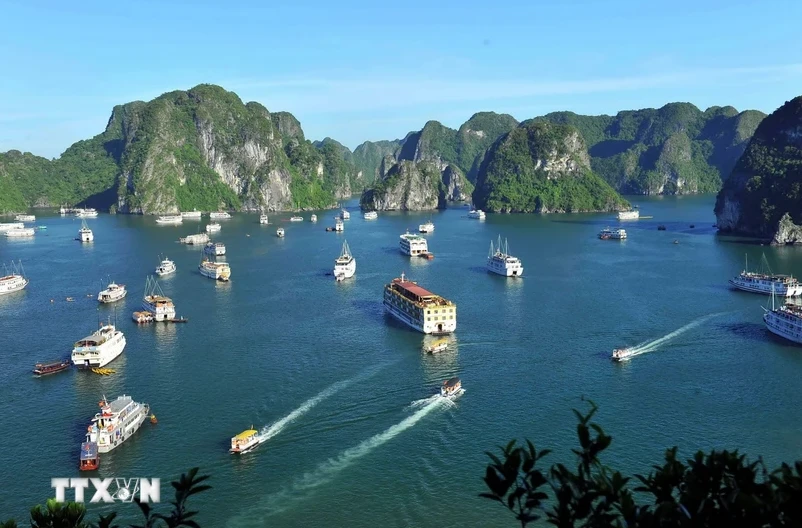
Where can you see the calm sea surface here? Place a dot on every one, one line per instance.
(345, 392)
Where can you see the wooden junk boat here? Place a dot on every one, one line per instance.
(51, 367)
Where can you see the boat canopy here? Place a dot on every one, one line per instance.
(246, 434)
(450, 383)
(88, 451)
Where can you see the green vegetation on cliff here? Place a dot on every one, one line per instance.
(542, 167)
(368, 157)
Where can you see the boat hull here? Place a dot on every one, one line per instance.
(346, 270)
(108, 299)
(15, 284)
(776, 327)
(127, 431)
(766, 289)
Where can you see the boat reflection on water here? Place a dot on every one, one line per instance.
(441, 365)
(88, 384)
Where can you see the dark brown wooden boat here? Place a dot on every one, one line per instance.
(43, 369)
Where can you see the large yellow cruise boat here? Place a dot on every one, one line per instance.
(419, 308)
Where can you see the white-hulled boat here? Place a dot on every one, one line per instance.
(428, 227)
(313, 218)
(219, 215)
(612, 234)
(85, 234)
(296, 219)
(215, 248)
(86, 213)
(165, 267)
(622, 354)
(438, 346)
(25, 232)
(766, 283)
(11, 225)
(156, 302)
(213, 227)
(215, 270)
(785, 321)
(500, 262)
(280, 232)
(345, 264)
(170, 219)
(418, 308)
(115, 423)
(25, 218)
(632, 214)
(195, 240)
(451, 388)
(194, 214)
(370, 215)
(13, 279)
(98, 349)
(263, 219)
(413, 245)
(113, 292)
(345, 215)
(339, 226)
(477, 214)
(245, 441)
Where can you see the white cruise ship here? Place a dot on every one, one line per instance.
(263, 219)
(219, 215)
(25, 232)
(632, 214)
(155, 302)
(214, 227)
(85, 234)
(370, 215)
(345, 215)
(11, 225)
(416, 307)
(785, 321)
(25, 218)
(116, 422)
(413, 245)
(345, 264)
(215, 270)
(313, 218)
(13, 279)
(500, 262)
(766, 283)
(86, 213)
(215, 248)
(477, 214)
(428, 227)
(339, 226)
(98, 349)
(612, 234)
(194, 214)
(195, 240)
(170, 219)
(113, 293)
(165, 267)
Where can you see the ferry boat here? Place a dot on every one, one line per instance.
(612, 234)
(213, 227)
(296, 219)
(51, 367)
(116, 422)
(339, 226)
(245, 441)
(418, 308)
(155, 302)
(165, 267)
(215, 270)
(785, 321)
(313, 218)
(345, 215)
(500, 262)
(413, 245)
(632, 214)
(85, 234)
(477, 214)
(98, 349)
(215, 248)
(11, 225)
(451, 388)
(113, 292)
(280, 232)
(195, 240)
(263, 219)
(428, 227)
(25, 218)
(86, 213)
(194, 214)
(437, 346)
(219, 215)
(622, 354)
(170, 219)
(766, 283)
(25, 232)
(370, 215)
(13, 278)
(345, 264)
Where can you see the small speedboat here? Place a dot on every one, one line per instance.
(280, 232)
(51, 367)
(451, 388)
(437, 346)
(245, 441)
(622, 354)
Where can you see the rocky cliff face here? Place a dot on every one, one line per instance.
(543, 168)
(369, 156)
(763, 196)
(407, 186)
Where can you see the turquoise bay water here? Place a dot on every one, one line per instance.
(343, 392)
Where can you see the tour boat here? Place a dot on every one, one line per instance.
(296, 219)
(280, 232)
(477, 214)
(11, 225)
(98, 349)
(219, 215)
(215, 270)
(245, 441)
(766, 283)
(113, 292)
(313, 218)
(155, 302)
(142, 317)
(115, 423)
(13, 278)
(345, 215)
(370, 215)
(785, 321)
(451, 388)
(428, 227)
(500, 262)
(622, 354)
(437, 346)
(213, 227)
(215, 248)
(339, 226)
(25, 218)
(165, 267)
(613, 234)
(170, 219)
(86, 213)
(345, 264)
(25, 232)
(413, 245)
(194, 214)
(195, 240)
(418, 308)
(51, 367)
(85, 234)
(632, 214)
(89, 459)
(263, 219)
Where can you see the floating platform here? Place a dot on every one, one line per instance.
(148, 317)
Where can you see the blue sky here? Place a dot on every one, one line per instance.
(360, 71)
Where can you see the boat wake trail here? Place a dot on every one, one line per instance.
(275, 428)
(651, 346)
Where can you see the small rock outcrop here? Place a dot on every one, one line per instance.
(787, 232)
